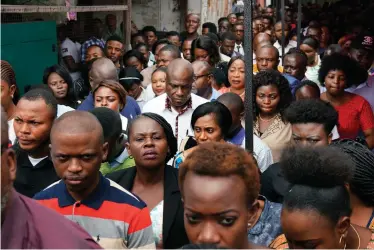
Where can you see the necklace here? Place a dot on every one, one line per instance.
(358, 236)
(266, 120)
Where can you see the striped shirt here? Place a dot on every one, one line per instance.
(113, 216)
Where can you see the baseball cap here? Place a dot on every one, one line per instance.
(363, 42)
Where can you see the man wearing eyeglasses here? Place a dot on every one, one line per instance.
(202, 85)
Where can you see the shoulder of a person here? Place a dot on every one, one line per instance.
(116, 176)
(198, 100)
(155, 103)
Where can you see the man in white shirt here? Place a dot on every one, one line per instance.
(70, 51)
(239, 33)
(202, 85)
(278, 34)
(178, 103)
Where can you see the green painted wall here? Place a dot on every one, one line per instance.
(29, 47)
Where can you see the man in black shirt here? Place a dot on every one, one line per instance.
(312, 122)
(33, 120)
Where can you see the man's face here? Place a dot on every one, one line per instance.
(227, 47)
(266, 23)
(223, 26)
(239, 32)
(178, 89)
(259, 25)
(151, 38)
(192, 24)
(32, 124)
(202, 80)
(293, 66)
(114, 51)
(175, 40)
(232, 19)
(269, 12)
(315, 33)
(136, 40)
(240, 19)
(77, 158)
(112, 21)
(94, 52)
(186, 50)
(363, 57)
(278, 31)
(164, 58)
(266, 59)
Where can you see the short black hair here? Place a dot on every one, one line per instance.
(138, 34)
(308, 83)
(139, 45)
(159, 42)
(220, 76)
(135, 53)
(299, 53)
(334, 48)
(272, 77)
(228, 35)
(149, 29)
(318, 176)
(269, 46)
(230, 15)
(110, 120)
(213, 36)
(172, 141)
(45, 95)
(239, 14)
(222, 19)
(312, 111)
(64, 74)
(311, 42)
(220, 112)
(211, 27)
(173, 33)
(207, 44)
(232, 98)
(114, 38)
(268, 18)
(361, 184)
(173, 49)
(354, 74)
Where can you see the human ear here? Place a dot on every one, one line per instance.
(252, 214)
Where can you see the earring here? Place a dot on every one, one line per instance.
(249, 225)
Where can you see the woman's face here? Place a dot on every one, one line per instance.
(307, 229)
(105, 97)
(94, 52)
(148, 144)
(309, 51)
(135, 90)
(7, 93)
(213, 213)
(159, 83)
(58, 85)
(335, 82)
(206, 129)
(134, 62)
(202, 55)
(267, 99)
(236, 74)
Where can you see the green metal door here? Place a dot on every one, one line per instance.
(29, 47)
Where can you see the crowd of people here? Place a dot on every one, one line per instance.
(144, 147)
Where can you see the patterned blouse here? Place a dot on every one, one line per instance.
(157, 221)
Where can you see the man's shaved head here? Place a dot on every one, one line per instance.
(261, 38)
(77, 122)
(202, 65)
(178, 67)
(102, 69)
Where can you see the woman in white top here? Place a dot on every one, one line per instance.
(310, 46)
(131, 80)
(9, 95)
(112, 95)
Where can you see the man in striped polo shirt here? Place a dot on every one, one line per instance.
(113, 216)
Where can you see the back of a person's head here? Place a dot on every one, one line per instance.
(174, 50)
(164, 41)
(312, 111)
(110, 120)
(228, 35)
(149, 29)
(211, 27)
(317, 176)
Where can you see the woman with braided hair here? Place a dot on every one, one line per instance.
(152, 144)
(9, 95)
(361, 186)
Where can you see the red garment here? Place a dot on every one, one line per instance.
(354, 116)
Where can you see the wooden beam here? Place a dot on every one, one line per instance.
(54, 9)
(127, 24)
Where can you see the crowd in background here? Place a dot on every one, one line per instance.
(144, 147)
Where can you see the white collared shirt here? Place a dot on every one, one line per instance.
(261, 152)
(224, 58)
(289, 46)
(239, 48)
(157, 106)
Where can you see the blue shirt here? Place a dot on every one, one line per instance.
(268, 226)
(130, 111)
(238, 138)
(215, 95)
